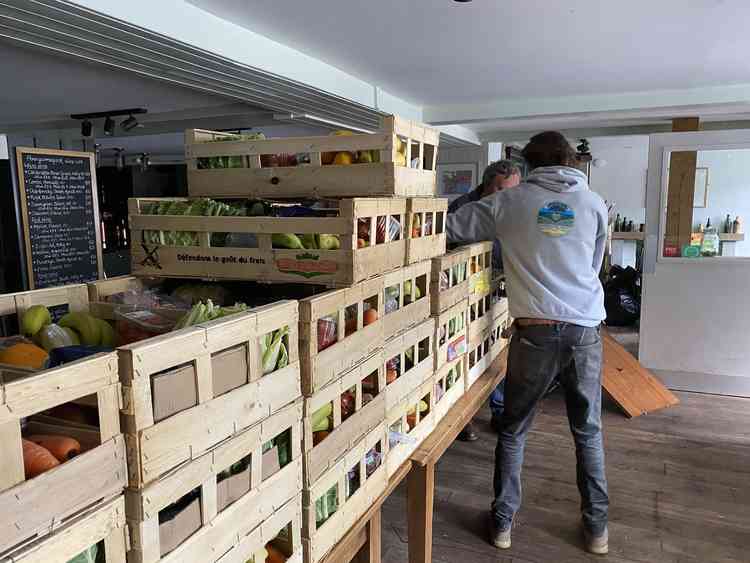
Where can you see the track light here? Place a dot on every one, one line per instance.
(130, 123)
(109, 126)
(86, 128)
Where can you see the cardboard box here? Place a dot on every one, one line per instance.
(176, 530)
(173, 391)
(270, 463)
(232, 488)
(229, 369)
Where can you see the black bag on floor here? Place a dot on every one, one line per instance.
(622, 296)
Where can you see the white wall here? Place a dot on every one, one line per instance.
(622, 179)
(728, 191)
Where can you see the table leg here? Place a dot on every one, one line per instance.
(420, 500)
(370, 552)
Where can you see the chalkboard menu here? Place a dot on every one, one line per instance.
(60, 216)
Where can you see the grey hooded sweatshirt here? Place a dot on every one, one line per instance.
(553, 231)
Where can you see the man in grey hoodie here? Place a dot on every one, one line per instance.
(553, 230)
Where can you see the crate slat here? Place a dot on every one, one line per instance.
(423, 367)
(320, 540)
(106, 522)
(425, 246)
(321, 367)
(449, 280)
(345, 434)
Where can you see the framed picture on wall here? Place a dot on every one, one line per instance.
(700, 195)
(456, 179)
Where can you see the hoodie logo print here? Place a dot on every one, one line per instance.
(555, 219)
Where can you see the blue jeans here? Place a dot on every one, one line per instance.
(497, 400)
(538, 354)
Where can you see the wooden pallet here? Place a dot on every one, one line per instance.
(226, 509)
(425, 218)
(319, 540)
(411, 309)
(256, 175)
(283, 528)
(484, 349)
(480, 268)
(345, 433)
(32, 508)
(449, 283)
(450, 385)
(450, 345)
(399, 419)
(336, 268)
(419, 340)
(231, 392)
(103, 523)
(319, 368)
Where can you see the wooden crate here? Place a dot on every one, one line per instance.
(403, 437)
(411, 310)
(252, 179)
(480, 317)
(283, 528)
(101, 293)
(419, 342)
(425, 228)
(482, 351)
(321, 367)
(449, 345)
(336, 268)
(32, 508)
(225, 510)
(450, 384)
(370, 375)
(449, 283)
(225, 399)
(104, 523)
(352, 502)
(480, 267)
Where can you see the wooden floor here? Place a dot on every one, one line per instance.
(679, 484)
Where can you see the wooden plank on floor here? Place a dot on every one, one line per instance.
(634, 388)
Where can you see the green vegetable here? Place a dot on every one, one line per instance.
(320, 418)
(286, 240)
(272, 350)
(204, 312)
(309, 241)
(329, 242)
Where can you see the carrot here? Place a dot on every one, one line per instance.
(36, 459)
(62, 447)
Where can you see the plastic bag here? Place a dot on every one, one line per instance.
(327, 332)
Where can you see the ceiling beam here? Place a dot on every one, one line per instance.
(667, 103)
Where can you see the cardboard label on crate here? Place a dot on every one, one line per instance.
(307, 265)
(456, 348)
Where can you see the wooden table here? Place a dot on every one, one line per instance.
(421, 483)
(362, 543)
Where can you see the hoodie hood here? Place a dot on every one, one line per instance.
(559, 179)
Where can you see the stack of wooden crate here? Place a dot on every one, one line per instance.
(366, 346)
(78, 504)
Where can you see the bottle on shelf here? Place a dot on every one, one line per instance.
(618, 223)
(708, 224)
(737, 228)
(630, 226)
(728, 224)
(710, 244)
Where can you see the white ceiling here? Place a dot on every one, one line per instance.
(440, 52)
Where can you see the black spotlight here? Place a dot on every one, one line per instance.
(86, 128)
(109, 126)
(130, 123)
